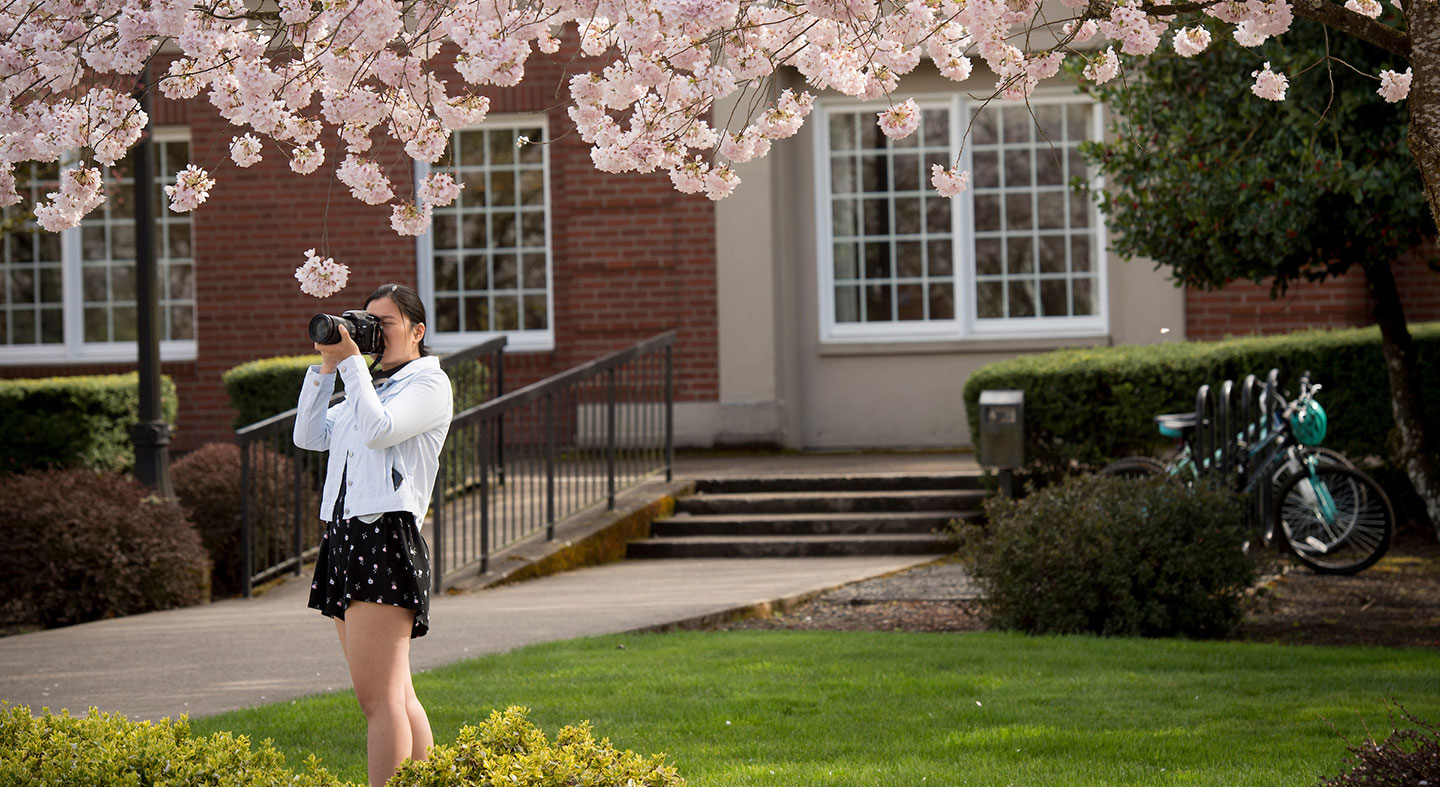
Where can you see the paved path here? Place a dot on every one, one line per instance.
(238, 653)
(235, 654)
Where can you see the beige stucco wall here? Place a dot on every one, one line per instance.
(780, 384)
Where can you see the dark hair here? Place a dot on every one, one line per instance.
(407, 300)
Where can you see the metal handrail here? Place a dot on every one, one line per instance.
(306, 470)
(498, 483)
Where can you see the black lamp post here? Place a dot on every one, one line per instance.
(151, 434)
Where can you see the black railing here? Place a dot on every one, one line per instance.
(514, 466)
(280, 485)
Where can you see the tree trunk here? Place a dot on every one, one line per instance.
(1422, 21)
(1413, 453)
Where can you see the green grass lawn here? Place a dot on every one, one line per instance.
(827, 708)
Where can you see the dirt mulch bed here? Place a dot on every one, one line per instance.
(1395, 603)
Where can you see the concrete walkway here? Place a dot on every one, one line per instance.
(242, 653)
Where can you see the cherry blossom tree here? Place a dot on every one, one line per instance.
(284, 71)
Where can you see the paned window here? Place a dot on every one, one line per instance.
(485, 264)
(71, 295)
(1034, 235)
(1016, 254)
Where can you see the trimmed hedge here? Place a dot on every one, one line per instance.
(79, 545)
(108, 749)
(1114, 557)
(1085, 407)
(262, 388)
(55, 422)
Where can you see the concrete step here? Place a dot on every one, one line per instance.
(805, 524)
(831, 502)
(851, 482)
(789, 546)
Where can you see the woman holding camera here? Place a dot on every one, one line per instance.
(373, 573)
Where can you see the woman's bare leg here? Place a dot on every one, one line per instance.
(376, 642)
(421, 739)
(421, 736)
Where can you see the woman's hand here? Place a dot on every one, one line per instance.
(332, 354)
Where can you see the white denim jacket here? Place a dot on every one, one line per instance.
(384, 439)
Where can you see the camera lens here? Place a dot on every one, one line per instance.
(324, 329)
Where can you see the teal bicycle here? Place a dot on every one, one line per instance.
(1333, 517)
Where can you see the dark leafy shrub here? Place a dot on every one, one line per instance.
(107, 749)
(79, 545)
(81, 421)
(507, 749)
(1112, 556)
(1408, 757)
(207, 481)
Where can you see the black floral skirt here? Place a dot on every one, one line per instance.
(385, 561)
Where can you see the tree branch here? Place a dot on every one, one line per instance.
(1336, 17)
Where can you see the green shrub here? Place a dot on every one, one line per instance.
(79, 545)
(269, 386)
(1085, 407)
(107, 749)
(58, 422)
(1117, 557)
(507, 749)
(207, 482)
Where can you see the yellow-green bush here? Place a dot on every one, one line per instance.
(84, 421)
(107, 749)
(507, 749)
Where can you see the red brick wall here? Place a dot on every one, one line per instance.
(631, 258)
(1246, 308)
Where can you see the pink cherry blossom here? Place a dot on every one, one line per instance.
(1269, 84)
(366, 181)
(321, 276)
(1103, 68)
(192, 187)
(900, 121)
(439, 188)
(948, 182)
(80, 192)
(407, 218)
(1394, 87)
(1366, 8)
(245, 150)
(307, 158)
(1191, 41)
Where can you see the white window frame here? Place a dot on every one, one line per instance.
(965, 324)
(75, 350)
(518, 341)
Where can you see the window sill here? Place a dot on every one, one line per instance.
(444, 344)
(170, 352)
(978, 345)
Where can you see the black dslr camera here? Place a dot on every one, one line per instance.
(363, 326)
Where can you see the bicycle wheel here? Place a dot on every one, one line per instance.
(1134, 467)
(1340, 523)
(1288, 468)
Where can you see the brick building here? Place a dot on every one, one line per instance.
(832, 302)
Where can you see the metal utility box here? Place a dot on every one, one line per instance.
(1002, 428)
